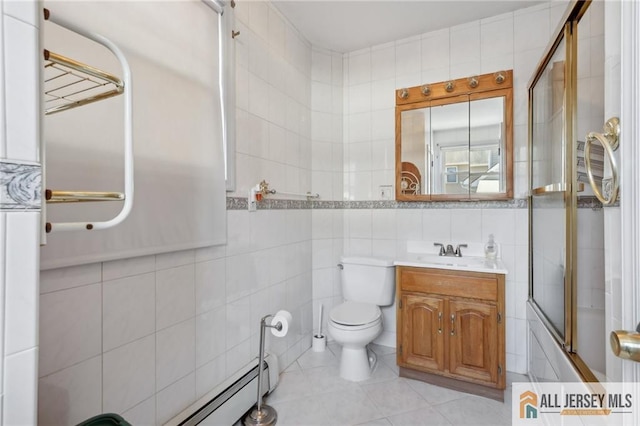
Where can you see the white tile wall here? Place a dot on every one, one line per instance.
(128, 309)
(20, 386)
(143, 413)
(74, 276)
(175, 353)
(3, 263)
(19, 260)
(66, 340)
(3, 142)
(26, 11)
(175, 398)
(175, 295)
(128, 375)
(57, 390)
(22, 97)
(21, 277)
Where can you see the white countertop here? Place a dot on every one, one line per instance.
(464, 263)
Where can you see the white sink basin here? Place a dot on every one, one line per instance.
(451, 260)
(464, 263)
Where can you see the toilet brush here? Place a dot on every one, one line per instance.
(319, 340)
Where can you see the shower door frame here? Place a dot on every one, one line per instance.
(569, 186)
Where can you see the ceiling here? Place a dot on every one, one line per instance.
(346, 26)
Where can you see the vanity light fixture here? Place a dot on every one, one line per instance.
(425, 90)
(449, 86)
(403, 93)
(499, 77)
(473, 82)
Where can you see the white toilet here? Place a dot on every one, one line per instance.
(367, 284)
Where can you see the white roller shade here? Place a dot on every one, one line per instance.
(179, 170)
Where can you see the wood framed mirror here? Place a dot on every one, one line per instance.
(454, 139)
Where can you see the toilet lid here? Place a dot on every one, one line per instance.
(355, 313)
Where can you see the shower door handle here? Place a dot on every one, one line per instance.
(626, 344)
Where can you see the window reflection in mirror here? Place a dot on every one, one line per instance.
(455, 146)
(450, 147)
(486, 145)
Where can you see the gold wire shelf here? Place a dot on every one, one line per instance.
(69, 83)
(81, 196)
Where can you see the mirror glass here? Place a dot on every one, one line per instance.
(450, 148)
(456, 149)
(486, 145)
(415, 142)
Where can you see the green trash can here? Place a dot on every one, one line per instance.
(107, 419)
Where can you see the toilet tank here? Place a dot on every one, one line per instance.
(368, 279)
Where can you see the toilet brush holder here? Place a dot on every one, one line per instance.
(319, 343)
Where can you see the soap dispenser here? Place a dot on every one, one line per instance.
(490, 248)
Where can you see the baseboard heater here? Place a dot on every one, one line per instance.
(229, 401)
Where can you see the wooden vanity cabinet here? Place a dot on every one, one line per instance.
(451, 329)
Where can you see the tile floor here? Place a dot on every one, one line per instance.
(311, 392)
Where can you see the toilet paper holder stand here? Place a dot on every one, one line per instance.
(262, 414)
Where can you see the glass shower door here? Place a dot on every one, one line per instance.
(566, 100)
(550, 192)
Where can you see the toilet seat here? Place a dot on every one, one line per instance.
(355, 315)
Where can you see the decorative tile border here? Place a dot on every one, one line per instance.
(20, 186)
(591, 202)
(240, 203)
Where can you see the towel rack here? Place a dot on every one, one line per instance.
(70, 84)
(263, 188)
(610, 142)
(309, 195)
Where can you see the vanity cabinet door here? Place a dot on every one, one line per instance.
(473, 340)
(422, 340)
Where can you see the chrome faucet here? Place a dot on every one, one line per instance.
(450, 251)
(458, 252)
